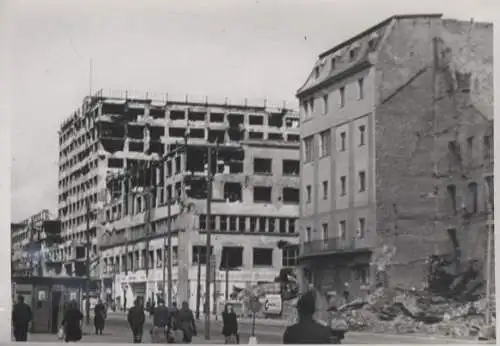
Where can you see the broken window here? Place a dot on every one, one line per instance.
(242, 226)
(177, 115)
(216, 117)
(255, 135)
(197, 133)
(262, 166)
(262, 257)
(473, 197)
(452, 197)
(362, 274)
(276, 120)
(231, 257)
(196, 187)
(176, 132)
(291, 226)
(291, 195)
(199, 254)
(262, 224)
(215, 136)
(282, 225)
(232, 223)
(135, 132)
(256, 120)
(235, 134)
(157, 112)
(136, 146)
(178, 165)
(196, 116)
(291, 167)
(262, 194)
(293, 138)
(275, 136)
(223, 223)
(232, 192)
(115, 163)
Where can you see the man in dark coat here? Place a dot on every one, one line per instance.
(136, 319)
(99, 317)
(21, 317)
(186, 322)
(160, 323)
(307, 330)
(72, 323)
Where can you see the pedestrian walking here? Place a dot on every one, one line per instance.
(21, 318)
(99, 317)
(186, 323)
(72, 323)
(307, 330)
(136, 319)
(160, 323)
(230, 325)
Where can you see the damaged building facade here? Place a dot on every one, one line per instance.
(397, 153)
(255, 200)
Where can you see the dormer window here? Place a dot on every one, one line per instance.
(316, 72)
(372, 42)
(333, 62)
(353, 53)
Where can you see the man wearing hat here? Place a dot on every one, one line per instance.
(307, 330)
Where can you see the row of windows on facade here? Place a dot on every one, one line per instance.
(262, 257)
(343, 187)
(471, 144)
(81, 156)
(325, 143)
(67, 185)
(471, 204)
(341, 231)
(224, 223)
(310, 105)
(80, 142)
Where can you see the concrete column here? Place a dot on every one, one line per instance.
(247, 257)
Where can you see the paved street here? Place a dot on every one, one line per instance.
(269, 333)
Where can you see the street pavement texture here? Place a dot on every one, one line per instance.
(267, 332)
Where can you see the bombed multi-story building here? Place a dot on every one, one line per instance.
(396, 167)
(254, 204)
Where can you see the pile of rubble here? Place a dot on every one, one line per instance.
(415, 312)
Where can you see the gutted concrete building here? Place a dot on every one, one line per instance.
(396, 159)
(255, 202)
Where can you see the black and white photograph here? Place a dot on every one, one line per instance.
(251, 171)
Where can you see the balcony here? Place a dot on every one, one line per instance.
(336, 246)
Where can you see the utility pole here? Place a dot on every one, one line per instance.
(168, 252)
(226, 267)
(87, 261)
(198, 286)
(488, 263)
(209, 245)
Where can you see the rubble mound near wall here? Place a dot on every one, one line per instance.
(398, 311)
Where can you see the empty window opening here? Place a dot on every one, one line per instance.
(308, 194)
(199, 254)
(115, 163)
(157, 112)
(362, 274)
(235, 134)
(325, 190)
(361, 135)
(292, 123)
(353, 53)
(136, 146)
(231, 258)
(291, 226)
(262, 166)
(217, 117)
(216, 136)
(197, 188)
(253, 224)
(233, 192)
(255, 135)
(223, 223)
(282, 225)
(197, 133)
(276, 120)
(113, 108)
(178, 165)
(262, 257)
(291, 167)
(342, 97)
(275, 136)
(291, 195)
(177, 115)
(112, 131)
(342, 141)
(235, 167)
(196, 116)
(452, 197)
(262, 194)
(256, 120)
(361, 228)
(473, 197)
(343, 187)
(135, 132)
(242, 226)
(362, 181)
(232, 223)
(235, 120)
(169, 168)
(463, 81)
(176, 132)
(156, 132)
(293, 138)
(196, 159)
(271, 224)
(262, 224)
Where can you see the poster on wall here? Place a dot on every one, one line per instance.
(272, 304)
(42, 296)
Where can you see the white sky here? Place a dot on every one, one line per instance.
(232, 48)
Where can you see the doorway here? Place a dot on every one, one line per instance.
(56, 307)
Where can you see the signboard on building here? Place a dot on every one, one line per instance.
(273, 304)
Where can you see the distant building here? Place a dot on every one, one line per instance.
(32, 241)
(255, 193)
(384, 164)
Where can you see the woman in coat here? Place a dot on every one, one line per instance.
(99, 317)
(230, 325)
(186, 323)
(72, 323)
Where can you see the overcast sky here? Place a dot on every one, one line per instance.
(232, 48)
